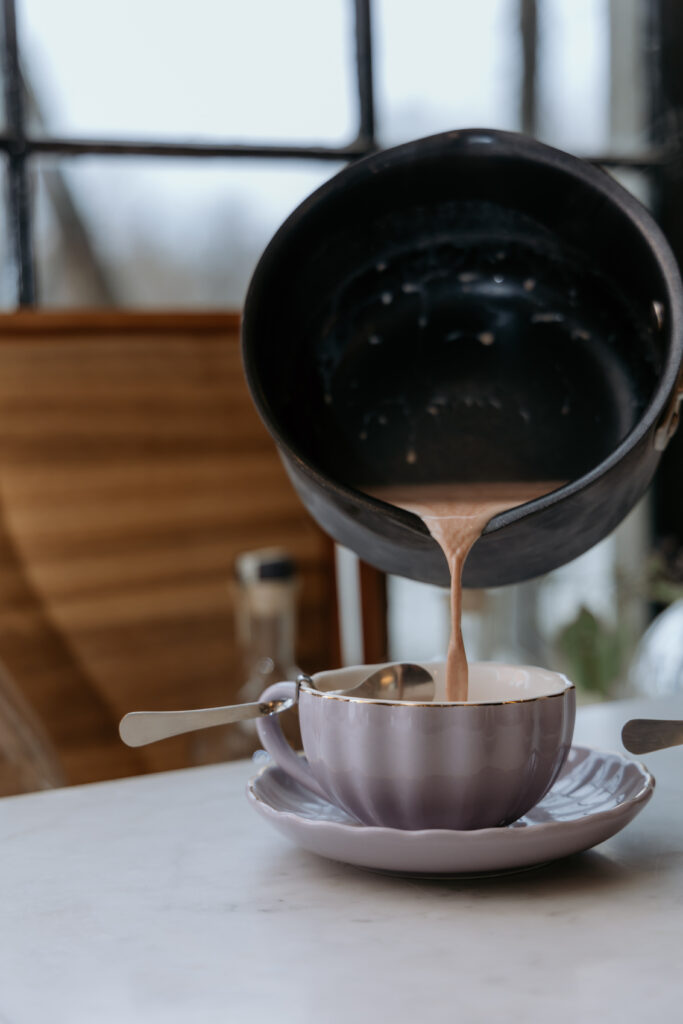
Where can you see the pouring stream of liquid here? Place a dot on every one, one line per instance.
(456, 515)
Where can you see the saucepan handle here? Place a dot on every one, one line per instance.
(273, 739)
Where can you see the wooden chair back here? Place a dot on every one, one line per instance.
(133, 469)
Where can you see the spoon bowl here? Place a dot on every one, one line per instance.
(403, 681)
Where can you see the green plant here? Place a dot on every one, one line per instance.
(593, 651)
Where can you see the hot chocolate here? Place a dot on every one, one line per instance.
(456, 515)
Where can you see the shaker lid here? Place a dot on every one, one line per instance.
(269, 564)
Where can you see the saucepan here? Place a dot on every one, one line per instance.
(470, 307)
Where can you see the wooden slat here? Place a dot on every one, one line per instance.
(48, 324)
(373, 595)
(133, 470)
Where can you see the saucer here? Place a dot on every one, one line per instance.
(595, 796)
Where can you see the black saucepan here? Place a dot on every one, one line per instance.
(473, 306)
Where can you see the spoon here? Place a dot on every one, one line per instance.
(641, 735)
(392, 682)
(138, 728)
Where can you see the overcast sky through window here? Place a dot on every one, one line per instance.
(272, 72)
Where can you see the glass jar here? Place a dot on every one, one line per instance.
(265, 620)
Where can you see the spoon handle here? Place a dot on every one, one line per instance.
(641, 735)
(141, 727)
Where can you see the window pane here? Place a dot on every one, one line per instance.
(443, 65)
(3, 109)
(252, 70)
(8, 284)
(574, 74)
(630, 75)
(637, 182)
(160, 233)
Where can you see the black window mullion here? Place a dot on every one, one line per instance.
(366, 96)
(19, 213)
(528, 100)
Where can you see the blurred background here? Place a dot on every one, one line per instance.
(149, 151)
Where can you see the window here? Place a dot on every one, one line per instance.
(153, 149)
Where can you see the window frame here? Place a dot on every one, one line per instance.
(19, 147)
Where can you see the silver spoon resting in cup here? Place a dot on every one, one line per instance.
(391, 682)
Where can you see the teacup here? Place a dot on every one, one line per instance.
(409, 765)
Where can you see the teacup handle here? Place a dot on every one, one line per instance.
(273, 739)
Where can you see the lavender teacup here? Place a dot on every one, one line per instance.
(475, 764)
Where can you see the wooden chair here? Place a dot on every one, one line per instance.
(133, 469)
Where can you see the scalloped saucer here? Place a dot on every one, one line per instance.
(596, 795)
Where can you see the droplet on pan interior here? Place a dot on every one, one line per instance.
(380, 266)
(374, 339)
(363, 435)
(422, 321)
(486, 337)
(565, 409)
(453, 335)
(387, 298)
(328, 398)
(524, 413)
(529, 284)
(467, 277)
(433, 410)
(382, 420)
(501, 254)
(411, 456)
(498, 278)
(495, 402)
(578, 334)
(547, 318)
(409, 287)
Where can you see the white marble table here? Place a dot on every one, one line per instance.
(166, 899)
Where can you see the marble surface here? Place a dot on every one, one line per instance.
(166, 899)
